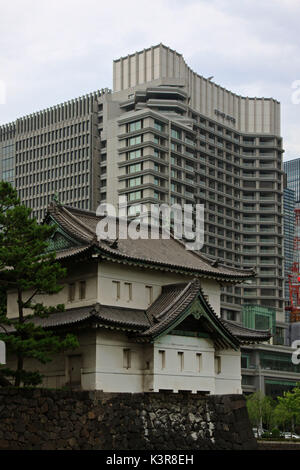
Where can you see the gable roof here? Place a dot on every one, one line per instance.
(103, 315)
(176, 303)
(246, 335)
(164, 254)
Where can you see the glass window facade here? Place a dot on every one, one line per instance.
(279, 362)
(7, 161)
(289, 228)
(52, 153)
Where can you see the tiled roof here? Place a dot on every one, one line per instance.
(175, 302)
(246, 335)
(72, 251)
(130, 319)
(68, 317)
(168, 254)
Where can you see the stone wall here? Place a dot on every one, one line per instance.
(47, 419)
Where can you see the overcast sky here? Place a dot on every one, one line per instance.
(52, 51)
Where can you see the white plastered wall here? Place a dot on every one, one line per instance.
(188, 365)
(103, 350)
(85, 272)
(109, 272)
(229, 379)
(56, 373)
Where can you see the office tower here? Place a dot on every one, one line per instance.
(167, 134)
(292, 171)
(54, 153)
(173, 136)
(289, 230)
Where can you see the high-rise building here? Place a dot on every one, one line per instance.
(292, 171)
(289, 230)
(54, 152)
(167, 134)
(7, 153)
(174, 136)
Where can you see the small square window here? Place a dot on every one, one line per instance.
(82, 290)
(199, 361)
(218, 364)
(71, 292)
(181, 360)
(162, 355)
(126, 358)
(149, 292)
(128, 287)
(117, 286)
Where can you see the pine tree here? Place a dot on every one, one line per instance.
(28, 269)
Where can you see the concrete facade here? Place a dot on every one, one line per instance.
(54, 153)
(269, 369)
(152, 65)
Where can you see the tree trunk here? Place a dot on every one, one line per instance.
(19, 371)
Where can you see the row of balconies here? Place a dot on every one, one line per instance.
(241, 144)
(180, 142)
(235, 137)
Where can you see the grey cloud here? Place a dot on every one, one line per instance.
(53, 51)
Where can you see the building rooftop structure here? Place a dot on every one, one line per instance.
(166, 254)
(146, 312)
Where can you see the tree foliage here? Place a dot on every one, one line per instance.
(29, 270)
(260, 410)
(283, 412)
(288, 409)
